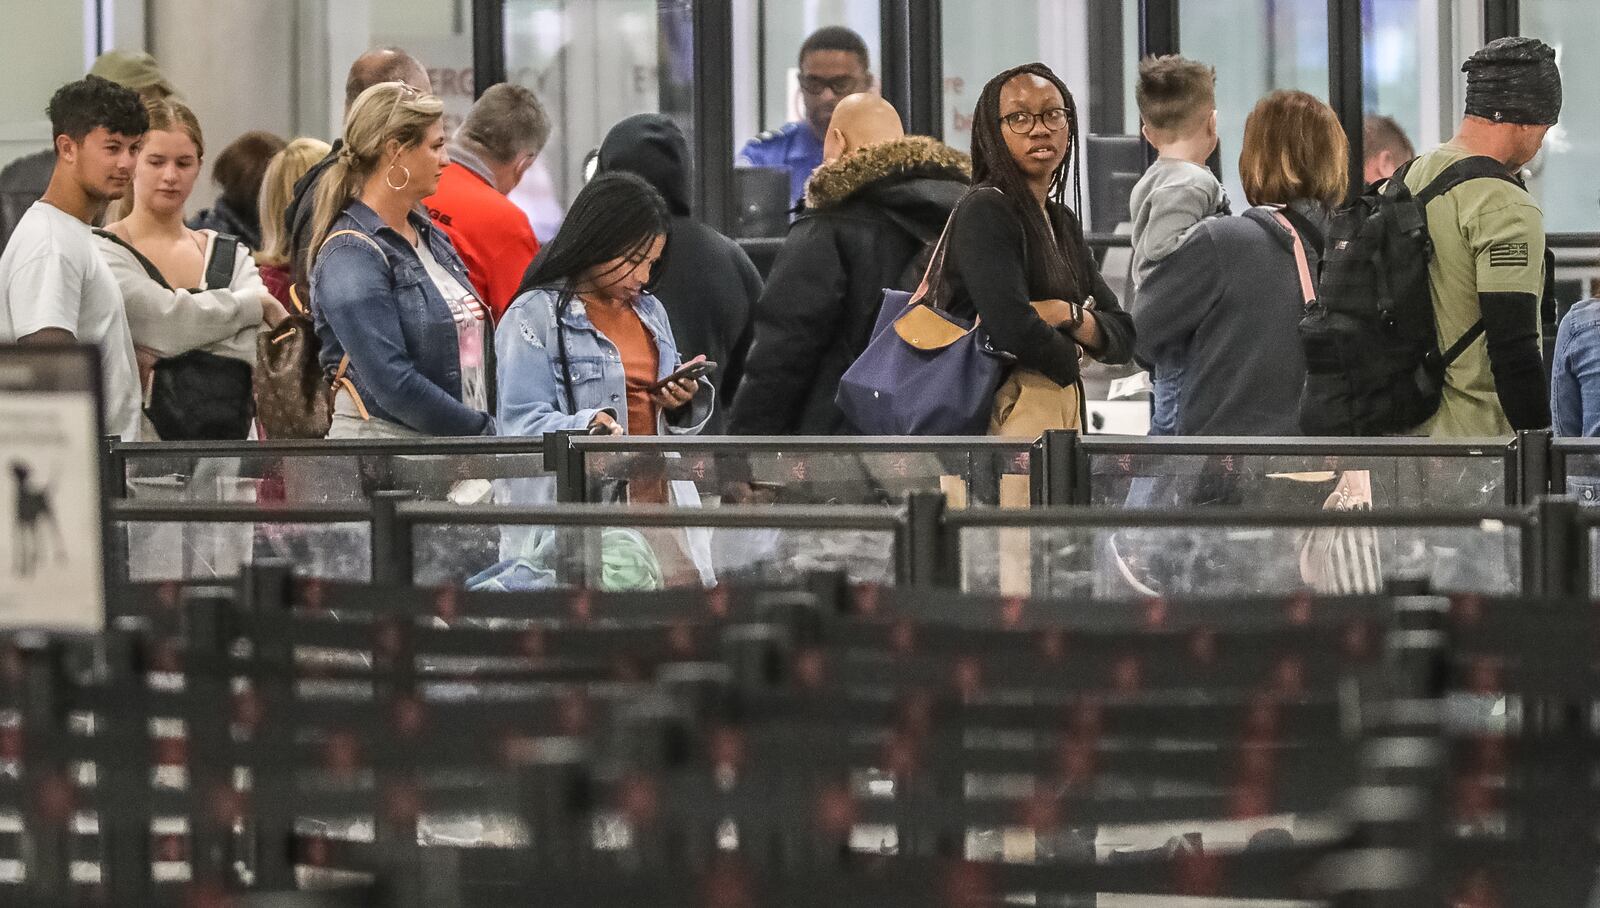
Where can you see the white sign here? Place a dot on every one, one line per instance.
(52, 559)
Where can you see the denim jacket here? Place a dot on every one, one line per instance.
(533, 397)
(1575, 373)
(385, 312)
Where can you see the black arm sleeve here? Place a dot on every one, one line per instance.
(987, 246)
(1510, 326)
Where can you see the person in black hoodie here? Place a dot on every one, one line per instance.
(704, 280)
(872, 212)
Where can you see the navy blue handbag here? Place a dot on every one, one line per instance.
(925, 372)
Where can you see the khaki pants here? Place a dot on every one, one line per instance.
(1028, 403)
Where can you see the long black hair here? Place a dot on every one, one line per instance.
(616, 216)
(993, 165)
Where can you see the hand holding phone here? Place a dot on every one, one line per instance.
(691, 371)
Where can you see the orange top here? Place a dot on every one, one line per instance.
(640, 360)
(489, 231)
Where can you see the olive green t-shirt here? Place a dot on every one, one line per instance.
(1488, 237)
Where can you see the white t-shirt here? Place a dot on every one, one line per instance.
(469, 313)
(51, 276)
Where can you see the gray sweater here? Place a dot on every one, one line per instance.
(1167, 203)
(1225, 308)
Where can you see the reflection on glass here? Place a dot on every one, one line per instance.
(512, 559)
(988, 477)
(324, 478)
(593, 64)
(1136, 562)
(204, 551)
(1564, 173)
(1257, 46)
(1293, 483)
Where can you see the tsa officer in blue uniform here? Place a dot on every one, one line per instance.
(833, 65)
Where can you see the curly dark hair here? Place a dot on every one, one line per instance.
(78, 108)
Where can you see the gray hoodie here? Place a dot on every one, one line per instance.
(1225, 308)
(1167, 203)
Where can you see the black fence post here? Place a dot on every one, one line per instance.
(391, 540)
(1559, 565)
(1053, 469)
(561, 459)
(920, 562)
(267, 610)
(48, 790)
(1530, 451)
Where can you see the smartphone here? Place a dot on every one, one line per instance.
(691, 372)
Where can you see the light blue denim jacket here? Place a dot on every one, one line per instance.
(1575, 373)
(533, 397)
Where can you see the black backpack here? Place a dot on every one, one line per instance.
(1373, 363)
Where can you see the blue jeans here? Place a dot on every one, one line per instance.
(1167, 389)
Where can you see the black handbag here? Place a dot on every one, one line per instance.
(200, 396)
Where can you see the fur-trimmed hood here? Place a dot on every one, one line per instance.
(911, 157)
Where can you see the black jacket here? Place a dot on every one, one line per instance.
(868, 217)
(705, 281)
(231, 218)
(299, 215)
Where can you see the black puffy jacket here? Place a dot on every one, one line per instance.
(868, 218)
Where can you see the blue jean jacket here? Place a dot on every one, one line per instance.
(533, 397)
(384, 310)
(1575, 373)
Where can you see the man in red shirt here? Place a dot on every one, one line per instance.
(496, 144)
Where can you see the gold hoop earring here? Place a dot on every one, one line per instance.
(387, 174)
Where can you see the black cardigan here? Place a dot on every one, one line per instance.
(986, 274)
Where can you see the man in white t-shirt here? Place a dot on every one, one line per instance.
(54, 287)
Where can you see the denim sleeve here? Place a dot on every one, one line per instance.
(1575, 376)
(1566, 412)
(692, 419)
(532, 402)
(353, 292)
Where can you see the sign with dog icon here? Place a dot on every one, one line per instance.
(52, 553)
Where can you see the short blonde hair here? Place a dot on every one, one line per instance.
(1294, 149)
(1175, 94)
(277, 190)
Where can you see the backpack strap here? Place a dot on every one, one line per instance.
(1477, 167)
(219, 268)
(148, 266)
(1303, 229)
(341, 377)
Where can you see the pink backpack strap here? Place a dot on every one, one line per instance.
(1308, 290)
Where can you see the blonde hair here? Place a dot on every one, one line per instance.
(388, 111)
(1175, 95)
(1294, 149)
(277, 190)
(166, 114)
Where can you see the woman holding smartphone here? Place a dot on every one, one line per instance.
(584, 345)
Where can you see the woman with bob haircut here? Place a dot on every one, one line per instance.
(1225, 308)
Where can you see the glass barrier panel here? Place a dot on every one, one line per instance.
(1295, 482)
(204, 550)
(335, 478)
(522, 558)
(992, 476)
(1120, 563)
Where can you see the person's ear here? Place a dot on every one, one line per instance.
(66, 149)
(1145, 131)
(1212, 123)
(834, 144)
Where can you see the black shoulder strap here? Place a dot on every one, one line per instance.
(1307, 230)
(149, 266)
(1477, 167)
(219, 269)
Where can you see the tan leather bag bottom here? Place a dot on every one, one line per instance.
(1028, 403)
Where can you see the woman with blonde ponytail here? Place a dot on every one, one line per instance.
(402, 332)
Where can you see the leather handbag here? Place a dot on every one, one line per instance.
(925, 372)
(294, 399)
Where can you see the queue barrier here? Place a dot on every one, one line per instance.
(1089, 553)
(249, 743)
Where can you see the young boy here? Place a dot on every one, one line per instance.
(1178, 103)
(54, 286)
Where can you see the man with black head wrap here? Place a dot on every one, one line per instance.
(1489, 245)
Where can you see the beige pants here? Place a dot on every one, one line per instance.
(1028, 403)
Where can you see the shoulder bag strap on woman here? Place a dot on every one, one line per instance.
(1308, 290)
(341, 377)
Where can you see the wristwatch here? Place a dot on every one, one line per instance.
(1077, 314)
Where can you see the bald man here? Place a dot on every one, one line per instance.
(860, 120)
(383, 64)
(872, 213)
